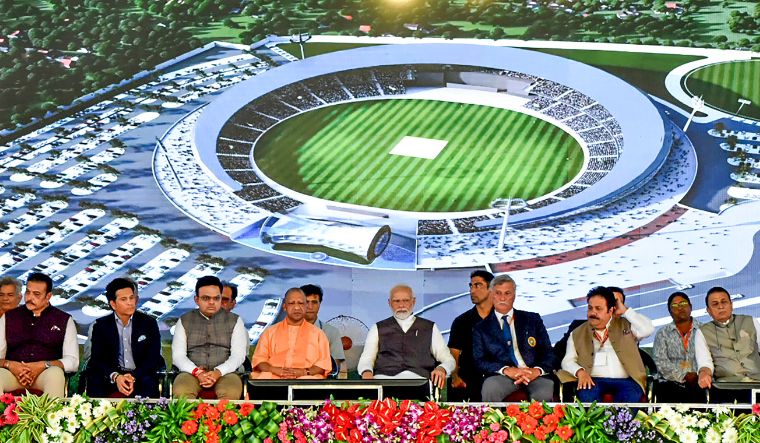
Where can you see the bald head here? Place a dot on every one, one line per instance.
(295, 306)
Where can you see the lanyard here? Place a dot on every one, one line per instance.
(602, 338)
(685, 338)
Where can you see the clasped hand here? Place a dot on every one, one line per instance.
(26, 373)
(522, 376)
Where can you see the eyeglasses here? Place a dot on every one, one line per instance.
(680, 304)
(206, 298)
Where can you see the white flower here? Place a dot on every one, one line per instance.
(53, 431)
(712, 436)
(67, 438)
(730, 435)
(76, 400)
(690, 421)
(73, 424)
(689, 436)
(703, 423)
(45, 439)
(682, 408)
(67, 413)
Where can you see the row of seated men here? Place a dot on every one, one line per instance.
(493, 350)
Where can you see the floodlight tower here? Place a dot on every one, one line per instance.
(301, 38)
(742, 102)
(697, 103)
(505, 205)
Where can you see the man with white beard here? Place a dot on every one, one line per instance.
(404, 346)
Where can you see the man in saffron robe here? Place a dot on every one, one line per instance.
(292, 348)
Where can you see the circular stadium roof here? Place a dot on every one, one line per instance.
(642, 126)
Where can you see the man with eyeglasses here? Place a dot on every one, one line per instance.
(466, 381)
(734, 342)
(405, 346)
(681, 355)
(209, 345)
(10, 294)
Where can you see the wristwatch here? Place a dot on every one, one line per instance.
(47, 364)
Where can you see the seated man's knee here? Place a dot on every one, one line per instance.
(185, 385)
(229, 386)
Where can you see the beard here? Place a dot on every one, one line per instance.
(402, 314)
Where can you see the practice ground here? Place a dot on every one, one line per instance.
(343, 153)
(722, 84)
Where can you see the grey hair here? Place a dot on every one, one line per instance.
(500, 280)
(12, 281)
(401, 287)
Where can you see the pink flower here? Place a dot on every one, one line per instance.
(494, 427)
(756, 409)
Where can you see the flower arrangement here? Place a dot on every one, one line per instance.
(74, 419)
(226, 421)
(719, 425)
(534, 422)
(81, 420)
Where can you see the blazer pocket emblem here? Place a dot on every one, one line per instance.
(141, 338)
(55, 328)
(532, 342)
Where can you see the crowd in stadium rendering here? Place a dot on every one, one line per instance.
(495, 352)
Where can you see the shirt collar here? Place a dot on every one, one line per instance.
(406, 322)
(129, 322)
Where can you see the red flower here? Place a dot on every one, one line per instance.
(212, 438)
(564, 432)
(513, 410)
(559, 411)
(189, 427)
(10, 417)
(756, 409)
(540, 434)
(529, 425)
(222, 405)
(550, 419)
(200, 410)
(246, 409)
(230, 418)
(212, 413)
(7, 398)
(536, 410)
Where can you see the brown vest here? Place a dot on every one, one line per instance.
(734, 349)
(623, 342)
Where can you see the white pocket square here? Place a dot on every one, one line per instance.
(55, 328)
(141, 338)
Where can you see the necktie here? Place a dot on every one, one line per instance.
(508, 338)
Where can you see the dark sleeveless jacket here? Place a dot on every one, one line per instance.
(31, 338)
(400, 351)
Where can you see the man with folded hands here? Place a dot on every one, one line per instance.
(209, 345)
(38, 342)
(126, 347)
(292, 348)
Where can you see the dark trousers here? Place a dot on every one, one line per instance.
(147, 386)
(672, 392)
(470, 394)
(623, 390)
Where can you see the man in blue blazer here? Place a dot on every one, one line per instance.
(512, 348)
(126, 348)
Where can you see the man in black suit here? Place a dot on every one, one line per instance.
(512, 348)
(126, 348)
